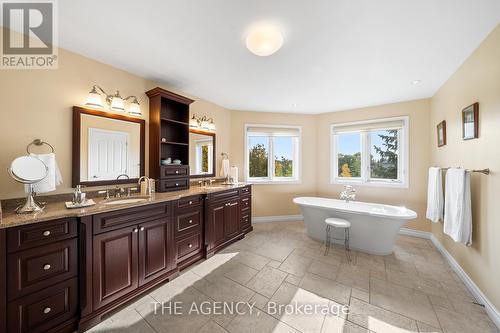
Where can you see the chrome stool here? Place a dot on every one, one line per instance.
(335, 222)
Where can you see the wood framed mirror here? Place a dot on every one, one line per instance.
(108, 148)
(202, 158)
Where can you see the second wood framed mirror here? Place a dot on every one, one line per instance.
(202, 158)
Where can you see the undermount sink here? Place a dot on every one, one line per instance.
(125, 200)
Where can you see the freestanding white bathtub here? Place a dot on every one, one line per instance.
(373, 226)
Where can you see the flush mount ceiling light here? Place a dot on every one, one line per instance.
(264, 40)
(415, 82)
(115, 102)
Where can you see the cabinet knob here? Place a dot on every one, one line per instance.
(190, 221)
(190, 245)
(176, 171)
(176, 184)
(141, 229)
(47, 310)
(46, 267)
(135, 230)
(46, 233)
(190, 202)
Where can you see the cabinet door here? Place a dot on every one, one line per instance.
(215, 223)
(115, 265)
(232, 219)
(155, 249)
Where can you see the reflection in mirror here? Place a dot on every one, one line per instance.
(109, 148)
(201, 154)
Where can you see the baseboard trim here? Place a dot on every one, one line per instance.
(278, 218)
(415, 233)
(491, 310)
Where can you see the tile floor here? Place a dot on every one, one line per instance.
(412, 290)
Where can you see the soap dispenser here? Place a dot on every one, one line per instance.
(78, 195)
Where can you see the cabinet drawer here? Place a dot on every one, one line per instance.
(246, 220)
(34, 269)
(246, 203)
(42, 233)
(246, 190)
(174, 184)
(187, 222)
(188, 246)
(124, 217)
(225, 195)
(174, 171)
(44, 310)
(193, 201)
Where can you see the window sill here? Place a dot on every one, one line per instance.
(369, 183)
(273, 182)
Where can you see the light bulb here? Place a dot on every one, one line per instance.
(94, 99)
(117, 102)
(135, 108)
(264, 40)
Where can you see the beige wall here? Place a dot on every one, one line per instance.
(477, 80)
(413, 197)
(273, 200)
(37, 104)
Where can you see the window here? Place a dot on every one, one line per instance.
(272, 154)
(204, 149)
(370, 152)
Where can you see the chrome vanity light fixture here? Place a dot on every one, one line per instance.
(202, 124)
(115, 102)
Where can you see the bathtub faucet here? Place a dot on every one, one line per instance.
(348, 194)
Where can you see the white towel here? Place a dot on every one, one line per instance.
(53, 179)
(234, 174)
(225, 168)
(435, 195)
(457, 208)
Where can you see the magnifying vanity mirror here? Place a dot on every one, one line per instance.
(28, 170)
(108, 148)
(201, 154)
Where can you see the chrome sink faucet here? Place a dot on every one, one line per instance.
(206, 182)
(348, 194)
(120, 191)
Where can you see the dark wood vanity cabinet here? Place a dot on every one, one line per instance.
(130, 257)
(125, 252)
(41, 286)
(227, 217)
(188, 218)
(68, 273)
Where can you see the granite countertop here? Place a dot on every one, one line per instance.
(55, 210)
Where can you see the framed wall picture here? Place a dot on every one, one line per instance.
(470, 122)
(441, 133)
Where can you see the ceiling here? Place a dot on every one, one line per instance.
(337, 54)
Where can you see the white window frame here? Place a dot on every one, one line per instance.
(198, 147)
(365, 180)
(270, 179)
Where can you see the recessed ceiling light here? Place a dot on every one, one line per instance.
(264, 39)
(415, 82)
